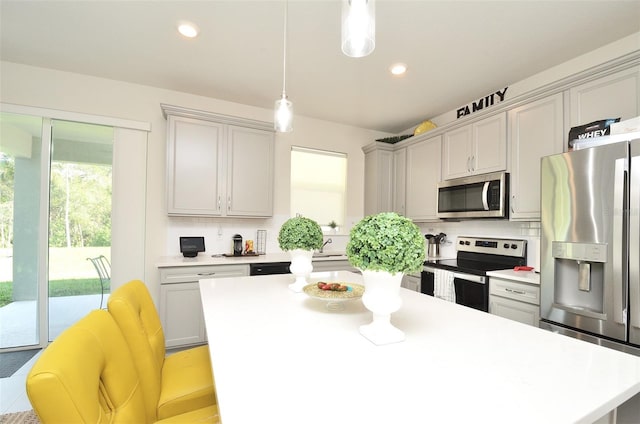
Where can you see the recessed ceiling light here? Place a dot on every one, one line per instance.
(398, 69)
(188, 29)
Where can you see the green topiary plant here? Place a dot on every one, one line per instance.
(300, 233)
(386, 242)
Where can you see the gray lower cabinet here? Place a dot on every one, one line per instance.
(411, 281)
(514, 300)
(180, 305)
(336, 265)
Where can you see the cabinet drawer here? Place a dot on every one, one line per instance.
(186, 274)
(515, 290)
(525, 313)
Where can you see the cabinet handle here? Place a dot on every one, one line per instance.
(514, 291)
(473, 163)
(219, 202)
(468, 164)
(204, 274)
(229, 203)
(513, 202)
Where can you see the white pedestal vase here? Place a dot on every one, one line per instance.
(301, 267)
(382, 297)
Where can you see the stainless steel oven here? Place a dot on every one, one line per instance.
(475, 256)
(478, 196)
(470, 290)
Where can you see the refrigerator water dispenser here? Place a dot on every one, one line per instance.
(579, 276)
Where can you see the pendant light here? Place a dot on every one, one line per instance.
(283, 115)
(358, 27)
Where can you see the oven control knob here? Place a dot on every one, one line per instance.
(461, 242)
(514, 246)
(467, 242)
(506, 245)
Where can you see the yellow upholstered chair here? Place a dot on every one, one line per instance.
(87, 375)
(173, 384)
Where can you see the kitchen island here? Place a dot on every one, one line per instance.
(280, 356)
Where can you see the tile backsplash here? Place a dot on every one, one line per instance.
(529, 231)
(219, 232)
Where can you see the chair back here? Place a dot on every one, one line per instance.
(133, 310)
(103, 267)
(87, 375)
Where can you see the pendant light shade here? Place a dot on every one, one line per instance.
(358, 27)
(283, 117)
(283, 114)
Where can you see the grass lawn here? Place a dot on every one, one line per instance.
(57, 288)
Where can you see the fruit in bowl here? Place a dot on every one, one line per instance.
(333, 286)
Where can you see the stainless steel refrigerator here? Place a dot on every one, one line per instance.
(590, 253)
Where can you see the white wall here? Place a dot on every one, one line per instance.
(47, 88)
(581, 63)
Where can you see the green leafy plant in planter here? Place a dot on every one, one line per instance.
(386, 242)
(300, 233)
(385, 247)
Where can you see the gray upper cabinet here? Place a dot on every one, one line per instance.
(613, 96)
(403, 179)
(423, 175)
(218, 169)
(194, 158)
(535, 130)
(476, 148)
(379, 178)
(400, 181)
(249, 172)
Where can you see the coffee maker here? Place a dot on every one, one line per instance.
(237, 245)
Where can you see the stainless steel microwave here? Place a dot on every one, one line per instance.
(478, 196)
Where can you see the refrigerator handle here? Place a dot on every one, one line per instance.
(634, 242)
(619, 249)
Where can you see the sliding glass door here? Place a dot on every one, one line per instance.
(20, 229)
(55, 216)
(79, 221)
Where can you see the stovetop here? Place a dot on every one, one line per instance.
(471, 266)
(477, 256)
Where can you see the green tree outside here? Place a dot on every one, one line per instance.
(88, 188)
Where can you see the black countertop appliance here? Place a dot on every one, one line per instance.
(237, 245)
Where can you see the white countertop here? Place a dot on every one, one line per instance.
(280, 356)
(530, 277)
(207, 259)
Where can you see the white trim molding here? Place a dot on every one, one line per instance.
(75, 117)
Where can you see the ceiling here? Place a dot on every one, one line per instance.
(456, 51)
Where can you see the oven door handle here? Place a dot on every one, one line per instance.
(470, 277)
(479, 279)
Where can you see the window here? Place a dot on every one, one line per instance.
(318, 186)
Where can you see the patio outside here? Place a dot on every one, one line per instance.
(74, 286)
